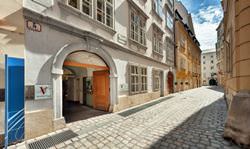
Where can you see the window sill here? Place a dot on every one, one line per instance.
(157, 15)
(157, 53)
(138, 44)
(83, 16)
(137, 93)
(169, 29)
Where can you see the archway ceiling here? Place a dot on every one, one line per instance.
(86, 58)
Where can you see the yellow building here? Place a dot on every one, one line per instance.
(237, 68)
(188, 69)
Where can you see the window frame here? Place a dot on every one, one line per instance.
(79, 4)
(168, 15)
(157, 44)
(104, 12)
(144, 76)
(141, 85)
(156, 80)
(90, 7)
(157, 7)
(134, 85)
(138, 23)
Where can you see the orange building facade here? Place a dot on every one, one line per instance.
(188, 53)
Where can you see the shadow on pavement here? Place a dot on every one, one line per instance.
(204, 129)
(216, 88)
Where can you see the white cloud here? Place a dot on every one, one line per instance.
(205, 23)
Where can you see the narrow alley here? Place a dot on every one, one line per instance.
(189, 119)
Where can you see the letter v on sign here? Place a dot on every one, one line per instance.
(43, 89)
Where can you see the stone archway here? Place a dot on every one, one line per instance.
(57, 72)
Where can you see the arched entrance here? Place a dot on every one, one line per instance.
(170, 82)
(58, 70)
(85, 86)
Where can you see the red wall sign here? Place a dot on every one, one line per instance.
(33, 26)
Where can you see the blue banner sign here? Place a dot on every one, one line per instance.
(14, 100)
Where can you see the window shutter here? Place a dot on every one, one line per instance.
(129, 78)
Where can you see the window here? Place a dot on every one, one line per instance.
(156, 80)
(212, 67)
(109, 13)
(169, 21)
(103, 8)
(157, 41)
(157, 7)
(137, 27)
(73, 3)
(212, 56)
(204, 62)
(171, 2)
(87, 7)
(212, 61)
(144, 81)
(204, 57)
(104, 12)
(134, 79)
(138, 79)
(100, 12)
(182, 63)
(182, 41)
(204, 68)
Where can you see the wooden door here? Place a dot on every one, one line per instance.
(171, 82)
(101, 90)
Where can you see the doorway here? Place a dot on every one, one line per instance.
(170, 82)
(85, 87)
(161, 83)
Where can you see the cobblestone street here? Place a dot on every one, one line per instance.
(190, 119)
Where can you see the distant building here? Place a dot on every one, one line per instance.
(188, 69)
(208, 66)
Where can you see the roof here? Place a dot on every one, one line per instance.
(209, 51)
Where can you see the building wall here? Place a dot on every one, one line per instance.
(188, 61)
(62, 25)
(188, 53)
(209, 66)
(220, 54)
(11, 43)
(237, 86)
(186, 16)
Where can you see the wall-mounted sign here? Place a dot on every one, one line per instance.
(122, 39)
(43, 91)
(36, 27)
(123, 87)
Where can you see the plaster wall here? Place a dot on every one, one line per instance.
(59, 10)
(237, 29)
(40, 54)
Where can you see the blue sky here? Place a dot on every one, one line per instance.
(206, 16)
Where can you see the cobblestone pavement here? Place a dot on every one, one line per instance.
(191, 119)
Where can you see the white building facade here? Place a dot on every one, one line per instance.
(208, 65)
(68, 42)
